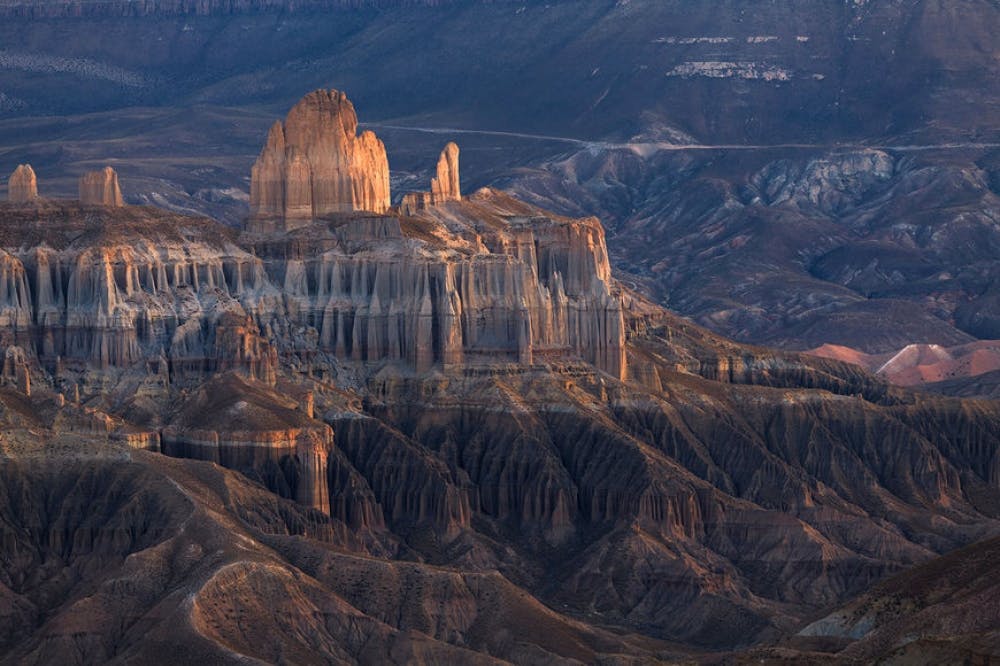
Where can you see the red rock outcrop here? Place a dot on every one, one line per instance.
(100, 188)
(22, 185)
(315, 164)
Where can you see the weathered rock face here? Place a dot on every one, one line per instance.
(100, 188)
(23, 184)
(445, 186)
(478, 281)
(483, 280)
(245, 426)
(316, 164)
(685, 496)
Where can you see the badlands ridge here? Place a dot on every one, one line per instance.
(479, 446)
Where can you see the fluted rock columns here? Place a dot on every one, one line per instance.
(316, 164)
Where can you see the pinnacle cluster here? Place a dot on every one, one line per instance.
(96, 188)
(315, 164)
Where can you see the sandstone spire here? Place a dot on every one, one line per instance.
(446, 187)
(316, 164)
(23, 185)
(100, 188)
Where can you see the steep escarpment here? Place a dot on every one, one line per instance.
(242, 427)
(126, 287)
(446, 288)
(440, 288)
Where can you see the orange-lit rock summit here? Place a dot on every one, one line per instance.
(100, 188)
(23, 184)
(315, 164)
(445, 185)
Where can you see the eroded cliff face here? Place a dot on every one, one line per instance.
(481, 281)
(462, 383)
(447, 287)
(315, 164)
(717, 480)
(245, 426)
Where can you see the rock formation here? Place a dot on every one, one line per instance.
(245, 426)
(100, 188)
(523, 284)
(452, 386)
(315, 164)
(445, 186)
(23, 185)
(16, 371)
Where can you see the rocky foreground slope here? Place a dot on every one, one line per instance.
(496, 450)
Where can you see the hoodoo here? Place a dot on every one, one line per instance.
(23, 184)
(100, 188)
(316, 164)
(445, 186)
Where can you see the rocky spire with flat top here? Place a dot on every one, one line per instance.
(23, 185)
(316, 164)
(100, 188)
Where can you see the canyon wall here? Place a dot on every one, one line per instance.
(185, 300)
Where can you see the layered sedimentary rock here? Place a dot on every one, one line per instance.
(246, 427)
(100, 188)
(519, 287)
(726, 482)
(315, 164)
(488, 280)
(22, 185)
(445, 186)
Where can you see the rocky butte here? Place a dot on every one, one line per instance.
(315, 164)
(490, 278)
(100, 188)
(22, 185)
